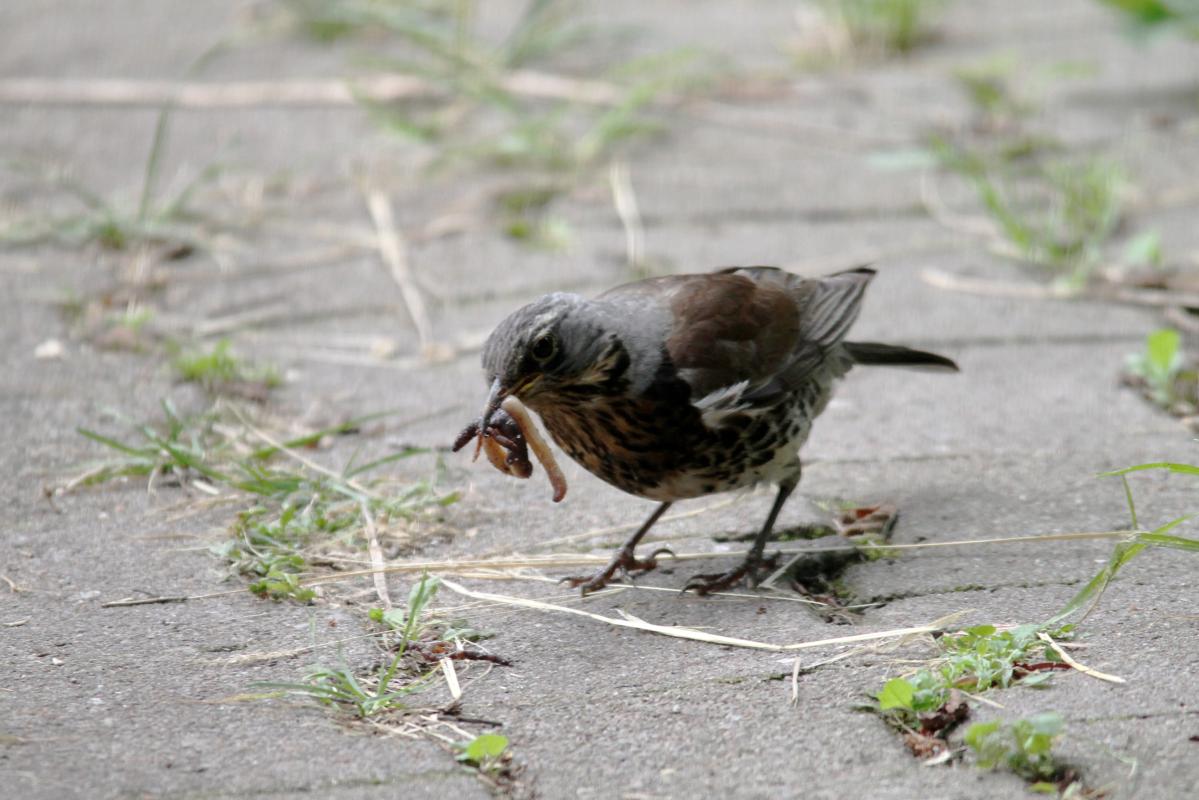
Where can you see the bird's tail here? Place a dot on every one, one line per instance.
(893, 355)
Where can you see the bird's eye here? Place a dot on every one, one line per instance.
(544, 347)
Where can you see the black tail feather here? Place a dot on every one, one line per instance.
(893, 355)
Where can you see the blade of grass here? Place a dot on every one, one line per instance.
(1183, 469)
(407, 452)
(1122, 553)
(1132, 506)
(1177, 542)
(158, 143)
(309, 439)
(113, 443)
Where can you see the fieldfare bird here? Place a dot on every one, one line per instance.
(681, 386)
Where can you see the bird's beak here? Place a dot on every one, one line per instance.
(498, 392)
(494, 398)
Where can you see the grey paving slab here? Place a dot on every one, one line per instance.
(144, 701)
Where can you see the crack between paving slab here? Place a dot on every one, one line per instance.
(826, 214)
(319, 789)
(1028, 340)
(969, 587)
(1190, 712)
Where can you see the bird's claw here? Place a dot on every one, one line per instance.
(624, 562)
(650, 563)
(708, 582)
(751, 567)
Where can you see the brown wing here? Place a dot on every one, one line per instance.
(730, 328)
(827, 308)
(762, 326)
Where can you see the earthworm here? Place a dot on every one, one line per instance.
(541, 450)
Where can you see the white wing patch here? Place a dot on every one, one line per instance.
(722, 403)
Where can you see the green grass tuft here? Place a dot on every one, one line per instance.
(387, 689)
(927, 704)
(846, 31)
(895, 26)
(291, 509)
(1152, 15)
(1164, 374)
(1024, 746)
(1052, 213)
(484, 751)
(108, 222)
(975, 660)
(478, 120)
(218, 369)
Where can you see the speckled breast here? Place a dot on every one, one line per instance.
(663, 451)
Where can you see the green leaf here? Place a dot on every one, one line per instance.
(981, 630)
(421, 594)
(912, 158)
(113, 443)
(1122, 553)
(1164, 540)
(979, 731)
(1145, 249)
(1035, 679)
(1049, 723)
(1184, 469)
(482, 747)
(1043, 787)
(896, 693)
(1162, 347)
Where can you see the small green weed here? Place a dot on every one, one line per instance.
(134, 319)
(106, 221)
(152, 220)
(1005, 91)
(428, 628)
(1162, 372)
(489, 756)
(221, 371)
(482, 117)
(372, 695)
(179, 449)
(990, 658)
(484, 114)
(294, 507)
(896, 26)
(927, 704)
(1145, 16)
(484, 751)
(1024, 746)
(300, 511)
(861, 30)
(974, 660)
(1056, 214)
(1168, 466)
(1144, 250)
(1137, 541)
(363, 697)
(989, 87)
(547, 233)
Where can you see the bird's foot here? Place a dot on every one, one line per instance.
(753, 567)
(624, 562)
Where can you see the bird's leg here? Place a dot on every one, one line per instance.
(624, 561)
(717, 581)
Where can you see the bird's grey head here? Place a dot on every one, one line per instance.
(556, 344)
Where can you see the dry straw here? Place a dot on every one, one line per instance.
(627, 620)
